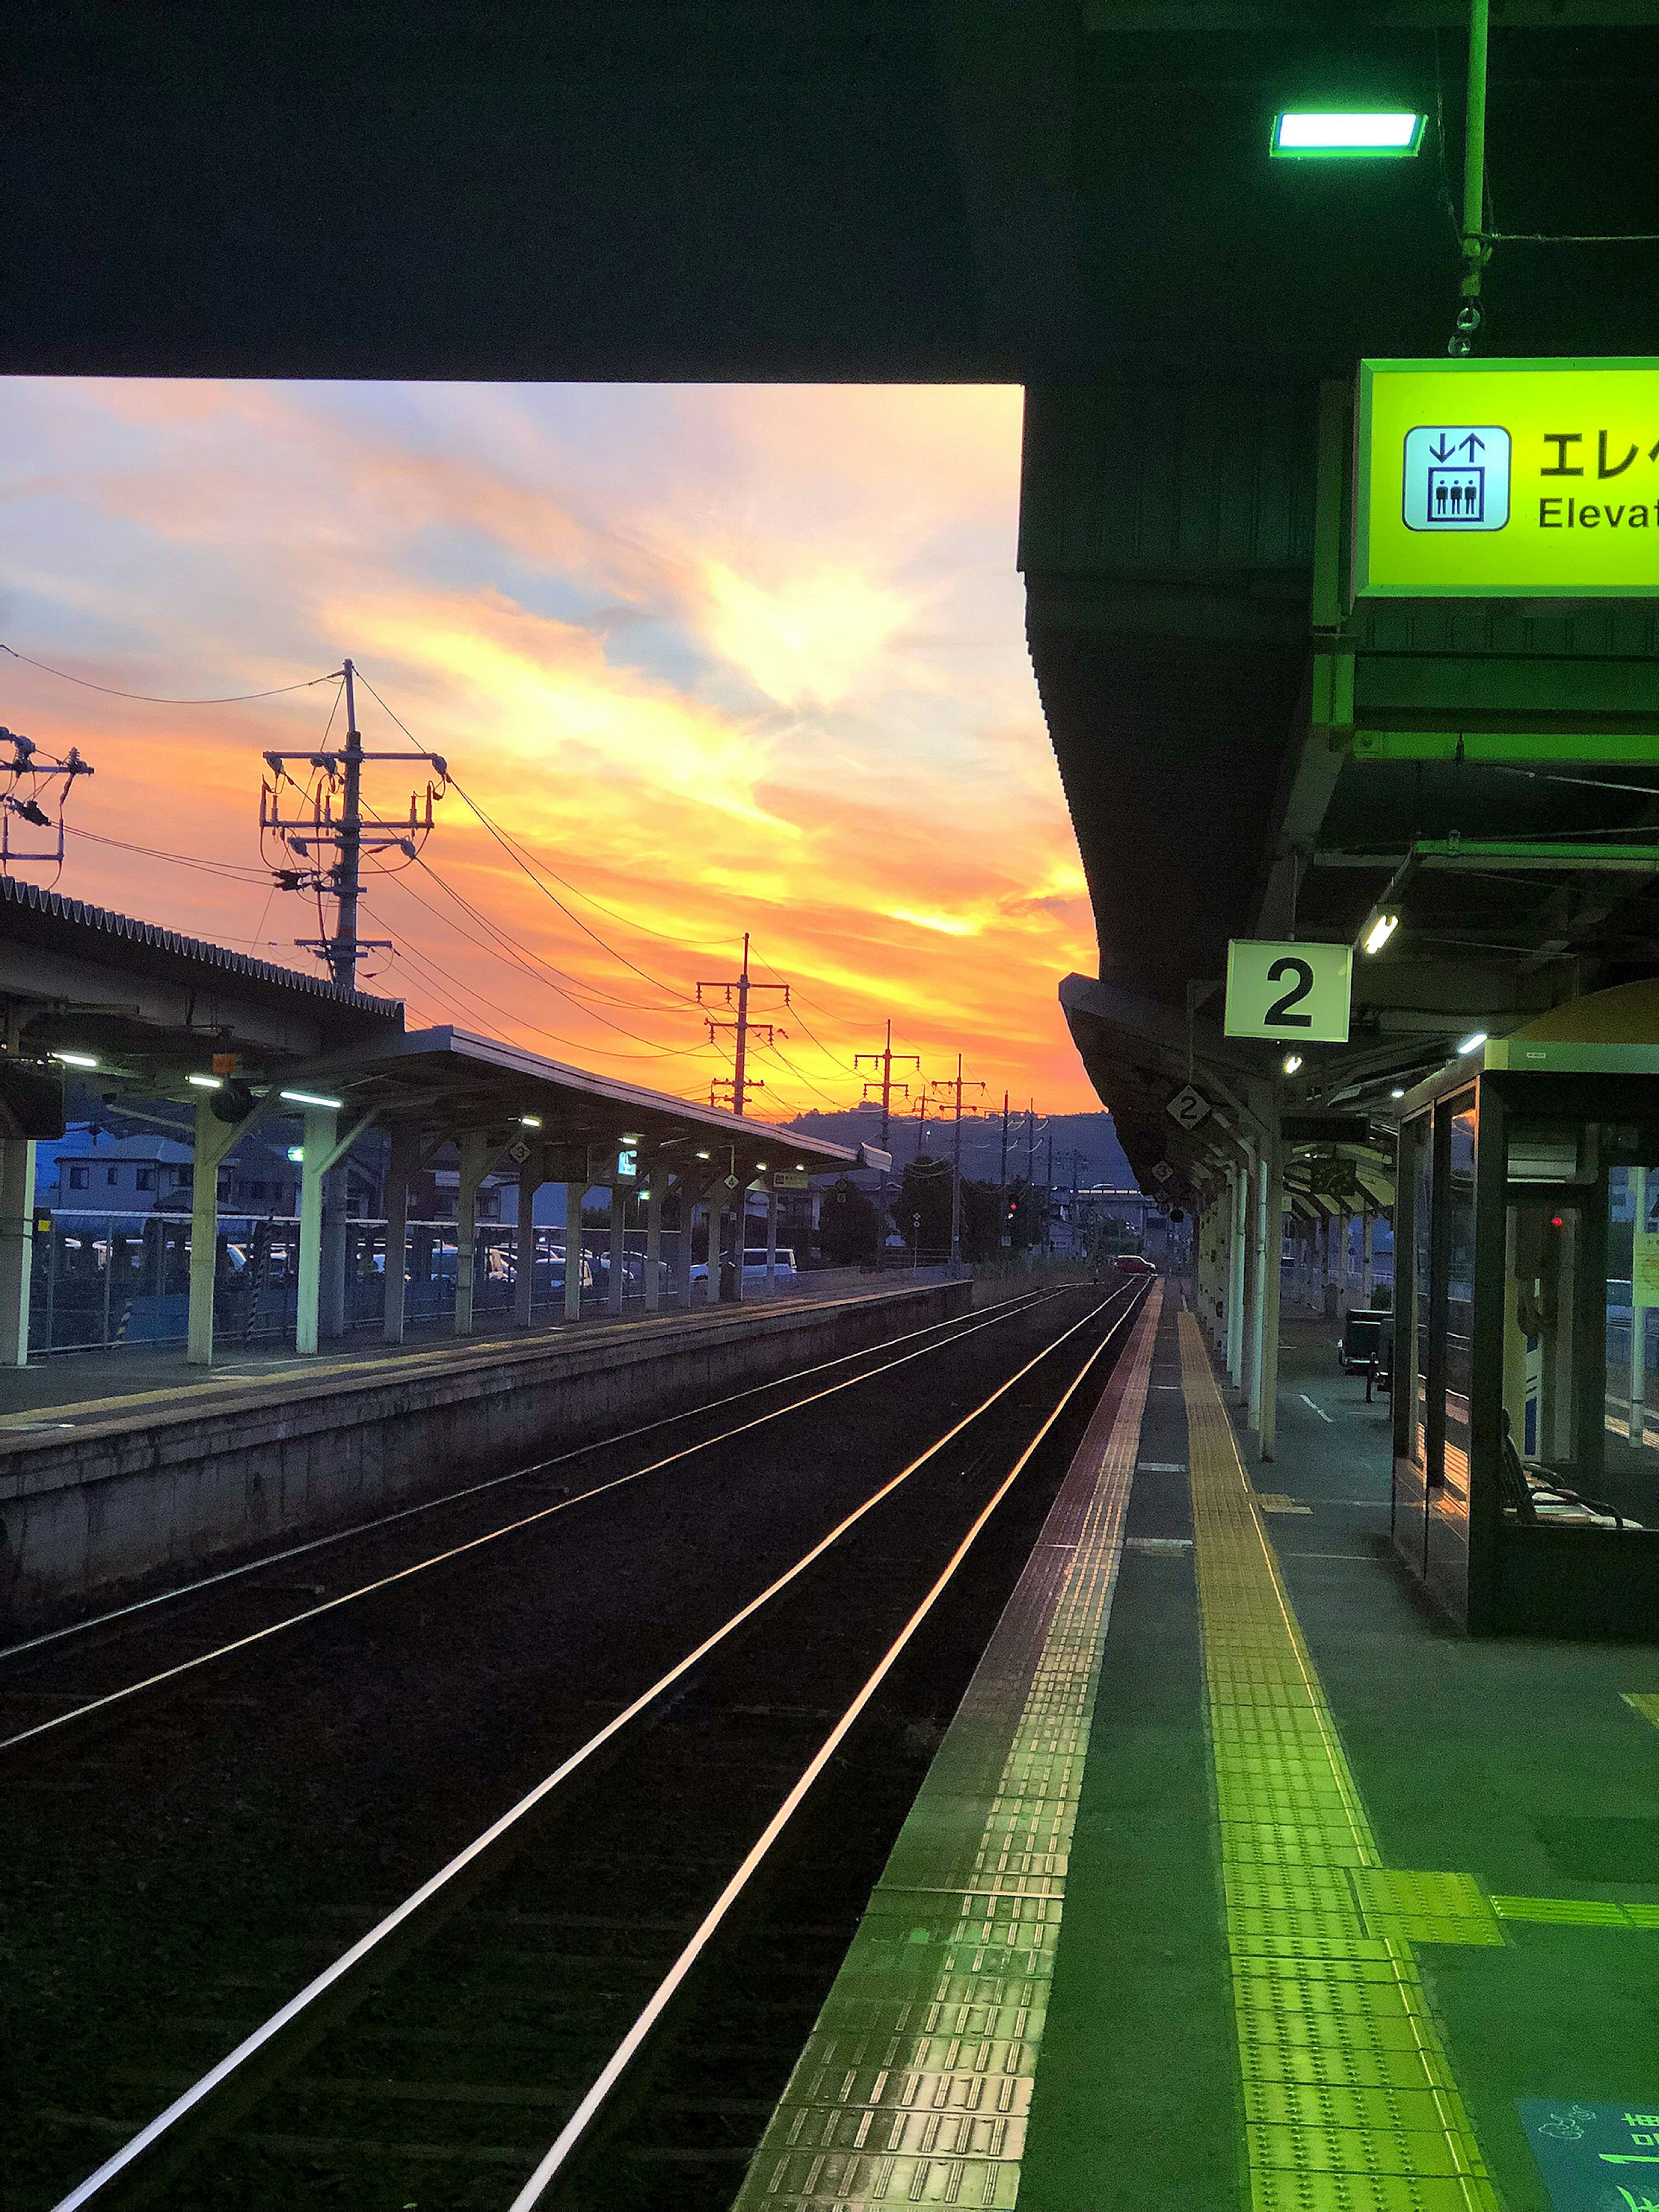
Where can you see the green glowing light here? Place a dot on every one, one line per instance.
(1301, 134)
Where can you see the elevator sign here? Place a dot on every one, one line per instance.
(1507, 479)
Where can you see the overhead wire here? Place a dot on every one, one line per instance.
(149, 699)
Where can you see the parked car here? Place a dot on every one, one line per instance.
(1134, 1263)
(754, 1266)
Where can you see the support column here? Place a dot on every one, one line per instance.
(1238, 1237)
(617, 1283)
(1367, 1260)
(16, 1246)
(523, 1243)
(771, 1239)
(332, 1299)
(316, 1155)
(1273, 1209)
(1638, 1311)
(475, 1158)
(653, 1199)
(575, 1192)
(1252, 1324)
(406, 1152)
(716, 1225)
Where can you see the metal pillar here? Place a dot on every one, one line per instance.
(615, 1287)
(524, 1242)
(1238, 1229)
(405, 1151)
(1639, 1312)
(714, 1284)
(316, 1159)
(652, 1243)
(214, 1140)
(771, 1239)
(575, 1192)
(1254, 1212)
(332, 1290)
(1273, 1224)
(475, 1159)
(1368, 1261)
(16, 1246)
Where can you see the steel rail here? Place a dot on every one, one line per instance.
(123, 2161)
(1015, 1305)
(576, 2126)
(472, 1544)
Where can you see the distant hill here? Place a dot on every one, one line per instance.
(1090, 1135)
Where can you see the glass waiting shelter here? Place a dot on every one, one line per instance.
(1526, 1406)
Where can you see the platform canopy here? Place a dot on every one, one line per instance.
(446, 1083)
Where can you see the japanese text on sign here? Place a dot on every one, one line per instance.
(1492, 479)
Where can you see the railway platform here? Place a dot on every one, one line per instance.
(120, 1467)
(1241, 1879)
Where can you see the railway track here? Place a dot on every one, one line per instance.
(586, 1976)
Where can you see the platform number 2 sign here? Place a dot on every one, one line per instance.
(1296, 993)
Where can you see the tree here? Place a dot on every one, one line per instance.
(982, 1212)
(846, 1226)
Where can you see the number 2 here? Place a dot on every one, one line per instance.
(1279, 1012)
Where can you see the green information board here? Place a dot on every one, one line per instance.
(1507, 479)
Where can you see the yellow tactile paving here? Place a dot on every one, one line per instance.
(1350, 2103)
(917, 2084)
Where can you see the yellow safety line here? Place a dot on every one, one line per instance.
(915, 2084)
(1350, 2102)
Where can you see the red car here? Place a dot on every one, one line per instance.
(1133, 1263)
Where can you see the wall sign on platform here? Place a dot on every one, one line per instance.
(1594, 2158)
(1298, 993)
(1507, 479)
(1188, 1107)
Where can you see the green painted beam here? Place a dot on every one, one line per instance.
(1625, 749)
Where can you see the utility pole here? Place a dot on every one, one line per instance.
(1049, 1195)
(885, 1060)
(741, 1082)
(946, 1084)
(343, 879)
(1004, 1235)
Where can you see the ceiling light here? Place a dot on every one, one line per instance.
(1472, 1042)
(1292, 1062)
(1381, 931)
(75, 1059)
(1399, 1090)
(1304, 134)
(207, 1082)
(702, 1156)
(800, 1167)
(529, 1120)
(296, 1153)
(310, 1099)
(759, 1164)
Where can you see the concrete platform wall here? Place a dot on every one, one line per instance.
(151, 1491)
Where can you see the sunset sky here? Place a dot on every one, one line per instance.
(722, 657)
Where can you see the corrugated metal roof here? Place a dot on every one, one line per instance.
(75, 915)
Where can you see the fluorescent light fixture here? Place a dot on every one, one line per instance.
(1399, 1090)
(207, 1082)
(800, 1167)
(296, 1153)
(1381, 931)
(529, 1120)
(702, 1156)
(1292, 1062)
(75, 1059)
(1472, 1042)
(1340, 134)
(309, 1098)
(759, 1164)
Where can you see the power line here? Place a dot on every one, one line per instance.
(149, 699)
